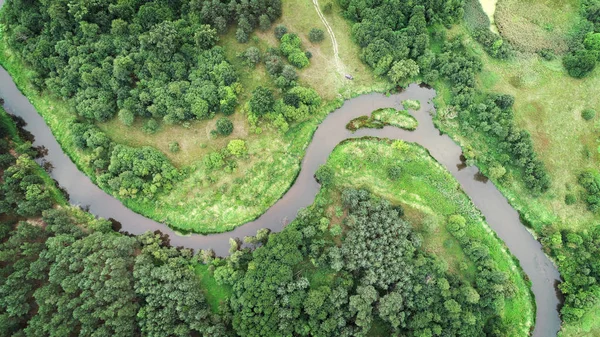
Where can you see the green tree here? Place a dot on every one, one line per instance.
(224, 126)
(403, 70)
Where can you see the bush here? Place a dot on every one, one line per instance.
(324, 175)
(174, 147)
(394, 172)
(224, 126)
(588, 114)
(237, 147)
(151, 126)
(251, 56)
(280, 31)
(126, 117)
(328, 8)
(316, 35)
(570, 199)
(580, 63)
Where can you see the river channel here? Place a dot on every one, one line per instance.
(501, 217)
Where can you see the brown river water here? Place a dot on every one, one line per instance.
(501, 217)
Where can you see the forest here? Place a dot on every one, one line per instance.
(198, 114)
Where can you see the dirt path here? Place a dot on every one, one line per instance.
(338, 62)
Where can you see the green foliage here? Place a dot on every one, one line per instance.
(316, 35)
(262, 101)
(280, 31)
(149, 58)
(580, 63)
(328, 8)
(411, 104)
(174, 147)
(324, 175)
(493, 44)
(237, 147)
(23, 191)
(213, 160)
(570, 199)
(291, 47)
(76, 276)
(590, 181)
(588, 114)
(394, 172)
(126, 117)
(403, 70)
(151, 126)
(251, 56)
(137, 172)
(576, 253)
(224, 127)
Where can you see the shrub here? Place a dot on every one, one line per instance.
(151, 126)
(126, 117)
(174, 147)
(394, 172)
(324, 175)
(224, 126)
(328, 8)
(213, 160)
(237, 147)
(298, 59)
(280, 31)
(588, 114)
(570, 199)
(250, 56)
(580, 63)
(316, 35)
(335, 230)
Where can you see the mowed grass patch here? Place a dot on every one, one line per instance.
(214, 293)
(533, 25)
(429, 193)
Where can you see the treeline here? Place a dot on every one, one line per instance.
(576, 253)
(396, 41)
(154, 59)
(319, 279)
(584, 42)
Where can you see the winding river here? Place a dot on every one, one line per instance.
(502, 218)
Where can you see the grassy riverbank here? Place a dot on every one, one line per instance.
(216, 201)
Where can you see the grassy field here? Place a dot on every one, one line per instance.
(533, 25)
(429, 194)
(212, 201)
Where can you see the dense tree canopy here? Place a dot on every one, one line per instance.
(153, 58)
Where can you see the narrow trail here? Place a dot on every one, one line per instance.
(338, 62)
